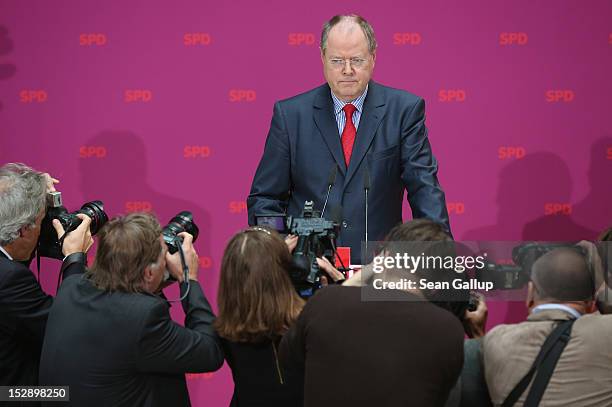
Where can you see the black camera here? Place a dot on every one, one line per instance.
(48, 243)
(183, 222)
(316, 238)
(517, 275)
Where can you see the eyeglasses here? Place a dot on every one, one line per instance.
(338, 63)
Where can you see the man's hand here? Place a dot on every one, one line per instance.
(474, 321)
(173, 261)
(361, 277)
(50, 182)
(77, 241)
(326, 266)
(291, 241)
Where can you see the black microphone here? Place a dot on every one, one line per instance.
(366, 188)
(336, 216)
(330, 183)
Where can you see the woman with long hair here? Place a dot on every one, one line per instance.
(257, 305)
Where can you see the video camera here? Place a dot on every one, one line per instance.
(316, 238)
(517, 275)
(48, 243)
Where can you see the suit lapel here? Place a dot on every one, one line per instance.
(326, 122)
(373, 112)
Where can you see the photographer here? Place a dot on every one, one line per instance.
(110, 336)
(410, 350)
(562, 325)
(24, 307)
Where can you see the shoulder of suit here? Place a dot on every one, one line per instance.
(394, 94)
(135, 302)
(10, 270)
(500, 329)
(505, 335)
(389, 94)
(332, 293)
(595, 322)
(151, 301)
(144, 300)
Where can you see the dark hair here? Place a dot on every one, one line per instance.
(419, 236)
(127, 245)
(418, 230)
(256, 298)
(431, 239)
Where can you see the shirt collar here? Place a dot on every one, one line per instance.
(5, 253)
(358, 103)
(561, 307)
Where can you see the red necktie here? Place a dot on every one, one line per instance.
(349, 132)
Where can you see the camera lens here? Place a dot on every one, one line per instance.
(95, 210)
(183, 222)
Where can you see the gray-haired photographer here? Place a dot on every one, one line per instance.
(24, 306)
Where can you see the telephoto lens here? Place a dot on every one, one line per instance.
(183, 222)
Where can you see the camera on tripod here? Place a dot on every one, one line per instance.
(316, 238)
(48, 243)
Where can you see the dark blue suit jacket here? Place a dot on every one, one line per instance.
(303, 145)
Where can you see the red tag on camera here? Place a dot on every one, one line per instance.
(343, 257)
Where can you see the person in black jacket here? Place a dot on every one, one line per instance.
(364, 346)
(257, 304)
(110, 337)
(24, 306)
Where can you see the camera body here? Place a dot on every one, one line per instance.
(48, 243)
(183, 222)
(516, 276)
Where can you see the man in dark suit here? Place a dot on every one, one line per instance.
(24, 307)
(369, 135)
(110, 337)
(367, 346)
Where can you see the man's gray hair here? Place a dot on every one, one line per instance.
(22, 198)
(367, 29)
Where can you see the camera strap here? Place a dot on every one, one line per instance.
(185, 272)
(38, 263)
(543, 367)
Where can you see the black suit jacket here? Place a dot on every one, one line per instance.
(24, 309)
(260, 380)
(396, 350)
(303, 145)
(123, 349)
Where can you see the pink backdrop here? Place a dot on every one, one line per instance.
(152, 106)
